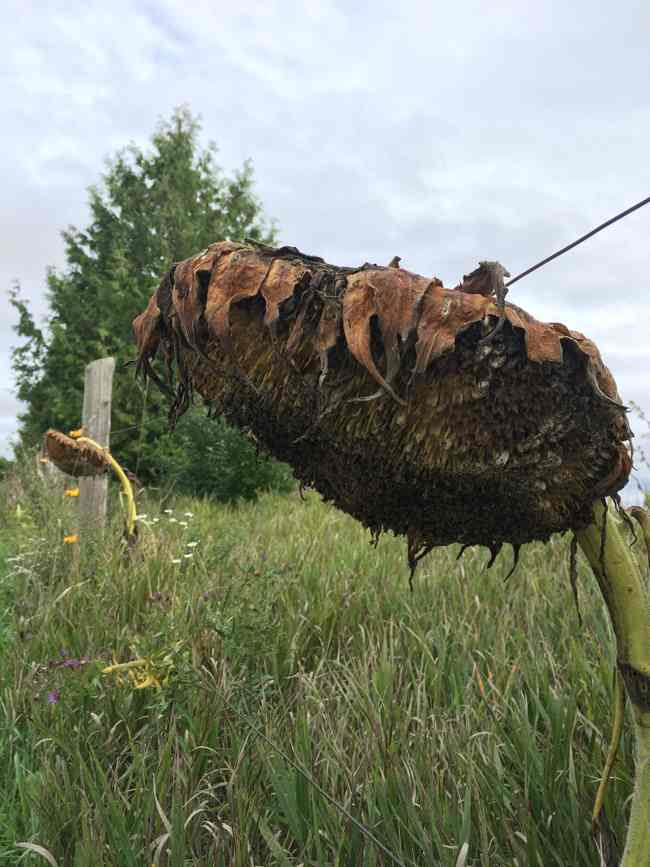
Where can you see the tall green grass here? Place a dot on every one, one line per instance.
(470, 711)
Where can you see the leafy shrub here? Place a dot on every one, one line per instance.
(207, 457)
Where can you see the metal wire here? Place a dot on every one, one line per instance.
(579, 241)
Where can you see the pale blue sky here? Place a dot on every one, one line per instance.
(445, 133)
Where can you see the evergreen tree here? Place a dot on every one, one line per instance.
(152, 208)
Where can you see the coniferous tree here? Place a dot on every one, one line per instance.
(152, 208)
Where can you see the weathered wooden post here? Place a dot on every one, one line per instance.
(96, 423)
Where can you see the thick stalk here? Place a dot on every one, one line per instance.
(127, 487)
(626, 596)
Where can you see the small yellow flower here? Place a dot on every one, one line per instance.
(78, 432)
(72, 492)
(139, 672)
(142, 682)
(69, 540)
(124, 666)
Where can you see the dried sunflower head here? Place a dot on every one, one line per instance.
(73, 456)
(375, 384)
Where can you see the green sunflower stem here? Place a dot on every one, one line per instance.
(626, 594)
(127, 487)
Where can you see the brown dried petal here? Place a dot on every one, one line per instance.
(238, 275)
(390, 294)
(445, 313)
(297, 329)
(146, 331)
(280, 283)
(329, 326)
(358, 308)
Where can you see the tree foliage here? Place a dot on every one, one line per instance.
(152, 207)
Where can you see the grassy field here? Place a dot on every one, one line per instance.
(284, 660)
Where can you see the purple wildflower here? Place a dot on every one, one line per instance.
(53, 696)
(69, 663)
(76, 663)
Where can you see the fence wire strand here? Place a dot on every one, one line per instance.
(579, 240)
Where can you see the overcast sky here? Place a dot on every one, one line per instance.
(442, 132)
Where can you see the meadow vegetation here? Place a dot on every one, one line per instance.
(470, 711)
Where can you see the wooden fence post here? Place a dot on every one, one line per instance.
(96, 423)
